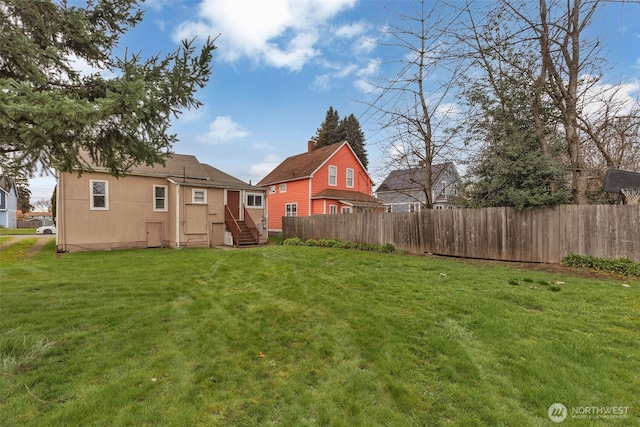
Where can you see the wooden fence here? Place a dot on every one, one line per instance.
(538, 235)
(32, 223)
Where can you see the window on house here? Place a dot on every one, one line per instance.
(283, 188)
(198, 196)
(272, 189)
(291, 209)
(160, 198)
(254, 200)
(333, 175)
(346, 209)
(99, 195)
(389, 208)
(349, 178)
(333, 209)
(444, 186)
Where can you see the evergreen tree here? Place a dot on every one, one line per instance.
(512, 170)
(334, 130)
(50, 114)
(328, 132)
(349, 130)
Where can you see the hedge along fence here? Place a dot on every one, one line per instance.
(536, 235)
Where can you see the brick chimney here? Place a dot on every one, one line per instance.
(310, 146)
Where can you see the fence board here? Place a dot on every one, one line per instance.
(539, 235)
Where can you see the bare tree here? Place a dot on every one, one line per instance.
(566, 58)
(42, 206)
(414, 107)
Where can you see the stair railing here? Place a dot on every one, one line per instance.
(251, 225)
(232, 225)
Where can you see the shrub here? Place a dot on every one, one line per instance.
(293, 241)
(328, 243)
(388, 248)
(334, 243)
(624, 266)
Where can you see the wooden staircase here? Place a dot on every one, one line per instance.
(247, 236)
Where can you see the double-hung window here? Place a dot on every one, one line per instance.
(283, 187)
(349, 178)
(160, 198)
(333, 175)
(291, 209)
(333, 209)
(254, 200)
(99, 195)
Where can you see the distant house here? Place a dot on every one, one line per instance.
(325, 180)
(8, 203)
(182, 204)
(402, 190)
(45, 217)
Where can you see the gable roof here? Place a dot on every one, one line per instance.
(8, 185)
(301, 165)
(406, 179)
(186, 169)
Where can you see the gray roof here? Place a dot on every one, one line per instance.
(183, 168)
(409, 179)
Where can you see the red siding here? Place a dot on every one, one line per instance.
(298, 191)
(342, 159)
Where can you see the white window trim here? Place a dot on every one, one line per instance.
(335, 175)
(166, 198)
(272, 189)
(291, 204)
(346, 209)
(193, 196)
(283, 187)
(261, 206)
(106, 195)
(333, 209)
(352, 172)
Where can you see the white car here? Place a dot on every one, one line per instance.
(46, 229)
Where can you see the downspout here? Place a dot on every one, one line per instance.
(61, 232)
(177, 216)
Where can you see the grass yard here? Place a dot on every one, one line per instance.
(297, 336)
(16, 231)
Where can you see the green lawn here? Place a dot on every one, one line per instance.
(296, 336)
(14, 231)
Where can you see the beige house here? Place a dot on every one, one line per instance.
(182, 204)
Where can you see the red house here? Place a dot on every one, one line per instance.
(325, 180)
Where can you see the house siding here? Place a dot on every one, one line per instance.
(126, 223)
(123, 225)
(343, 159)
(297, 192)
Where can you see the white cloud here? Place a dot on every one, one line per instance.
(351, 30)
(366, 75)
(223, 129)
(322, 82)
(280, 33)
(260, 170)
(600, 97)
(364, 45)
